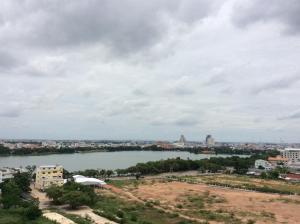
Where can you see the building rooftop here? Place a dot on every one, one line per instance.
(291, 149)
(49, 166)
(277, 158)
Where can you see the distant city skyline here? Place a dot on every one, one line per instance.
(150, 70)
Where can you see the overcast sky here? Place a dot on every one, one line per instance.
(133, 69)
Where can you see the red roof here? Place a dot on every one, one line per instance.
(293, 176)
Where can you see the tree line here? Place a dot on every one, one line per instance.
(213, 164)
(65, 150)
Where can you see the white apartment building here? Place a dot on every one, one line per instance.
(47, 176)
(292, 154)
(263, 163)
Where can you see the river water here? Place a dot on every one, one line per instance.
(99, 160)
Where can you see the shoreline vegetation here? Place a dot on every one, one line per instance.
(233, 164)
(196, 150)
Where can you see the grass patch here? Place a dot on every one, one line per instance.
(247, 183)
(77, 219)
(123, 211)
(285, 200)
(13, 216)
(124, 183)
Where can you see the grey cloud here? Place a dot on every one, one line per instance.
(126, 26)
(181, 86)
(7, 61)
(286, 12)
(291, 116)
(126, 107)
(181, 91)
(181, 121)
(186, 121)
(10, 112)
(216, 79)
(282, 83)
(139, 92)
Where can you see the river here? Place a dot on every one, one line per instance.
(101, 160)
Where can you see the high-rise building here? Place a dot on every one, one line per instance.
(47, 176)
(182, 140)
(209, 141)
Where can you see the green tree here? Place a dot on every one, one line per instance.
(31, 169)
(102, 173)
(76, 199)
(23, 181)
(32, 212)
(11, 194)
(109, 173)
(55, 193)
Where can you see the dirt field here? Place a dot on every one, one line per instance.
(259, 207)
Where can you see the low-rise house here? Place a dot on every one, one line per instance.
(278, 161)
(47, 176)
(292, 177)
(254, 172)
(8, 173)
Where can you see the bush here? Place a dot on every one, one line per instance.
(32, 212)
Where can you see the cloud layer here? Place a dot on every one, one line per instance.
(150, 70)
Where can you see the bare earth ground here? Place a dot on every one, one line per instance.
(243, 203)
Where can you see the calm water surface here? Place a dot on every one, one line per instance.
(102, 160)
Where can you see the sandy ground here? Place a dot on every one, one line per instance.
(58, 218)
(87, 212)
(41, 196)
(237, 201)
(129, 195)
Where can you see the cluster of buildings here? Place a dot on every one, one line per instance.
(49, 175)
(288, 158)
(209, 142)
(37, 144)
(8, 173)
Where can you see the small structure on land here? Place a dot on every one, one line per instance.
(88, 181)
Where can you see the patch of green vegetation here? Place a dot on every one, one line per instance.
(250, 183)
(199, 201)
(224, 217)
(77, 219)
(15, 216)
(124, 183)
(71, 193)
(123, 211)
